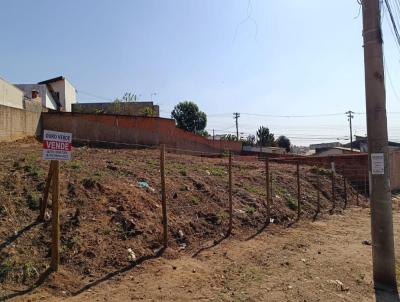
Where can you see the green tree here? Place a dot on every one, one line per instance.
(249, 141)
(228, 137)
(283, 142)
(264, 137)
(188, 117)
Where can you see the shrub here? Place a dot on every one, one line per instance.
(5, 269)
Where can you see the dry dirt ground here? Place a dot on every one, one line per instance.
(110, 204)
(313, 261)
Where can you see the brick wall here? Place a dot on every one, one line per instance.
(124, 129)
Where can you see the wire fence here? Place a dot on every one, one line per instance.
(205, 196)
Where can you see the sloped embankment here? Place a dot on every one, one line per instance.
(111, 203)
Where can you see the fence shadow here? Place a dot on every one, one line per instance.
(215, 243)
(18, 234)
(259, 231)
(120, 271)
(38, 283)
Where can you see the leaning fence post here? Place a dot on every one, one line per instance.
(55, 218)
(43, 204)
(267, 189)
(163, 197)
(298, 191)
(358, 202)
(345, 193)
(230, 194)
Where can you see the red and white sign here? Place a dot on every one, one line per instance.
(57, 145)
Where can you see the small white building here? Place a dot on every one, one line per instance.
(10, 95)
(57, 93)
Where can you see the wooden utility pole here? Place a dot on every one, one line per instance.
(163, 197)
(55, 217)
(383, 256)
(230, 195)
(350, 116)
(333, 191)
(345, 193)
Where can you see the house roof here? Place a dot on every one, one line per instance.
(60, 78)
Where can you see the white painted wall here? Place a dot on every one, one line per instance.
(67, 93)
(10, 95)
(47, 99)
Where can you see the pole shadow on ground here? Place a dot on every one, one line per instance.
(215, 243)
(120, 271)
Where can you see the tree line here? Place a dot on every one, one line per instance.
(189, 117)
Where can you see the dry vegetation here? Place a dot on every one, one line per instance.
(107, 209)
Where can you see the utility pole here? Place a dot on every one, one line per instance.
(213, 135)
(350, 117)
(383, 257)
(236, 116)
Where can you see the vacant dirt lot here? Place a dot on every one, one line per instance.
(320, 261)
(110, 205)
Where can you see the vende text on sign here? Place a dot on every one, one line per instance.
(57, 145)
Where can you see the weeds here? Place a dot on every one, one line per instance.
(33, 200)
(216, 171)
(29, 271)
(5, 269)
(183, 172)
(196, 200)
(32, 168)
(249, 210)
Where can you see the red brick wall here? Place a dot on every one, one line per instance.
(132, 130)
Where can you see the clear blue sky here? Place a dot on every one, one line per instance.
(267, 57)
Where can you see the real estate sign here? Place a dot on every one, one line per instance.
(57, 145)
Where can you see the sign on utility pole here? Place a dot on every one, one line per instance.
(384, 272)
(56, 147)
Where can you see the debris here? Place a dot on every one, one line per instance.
(193, 271)
(303, 260)
(131, 255)
(366, 242)
(339, 284)
(208, 172)
(180, 234)
(174, 267)
(271, 220)
(175, 195)
(143, 184)
(112, 210)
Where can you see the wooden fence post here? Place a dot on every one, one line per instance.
(55, 247)
(43, 203)
(298, 191)
(333, 191)
(163, 197)
(345, 193)
(270, 187)
(267, 189)
(365, 187)
(358, 202)
(318, 194)
(230, 195)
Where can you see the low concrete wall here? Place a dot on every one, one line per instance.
(123, 129)
(19, 123)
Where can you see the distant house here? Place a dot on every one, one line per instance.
(361, 143)
(10, 95)
(56, 93)
(123, 108)
(335, 151)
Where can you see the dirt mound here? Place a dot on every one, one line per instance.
(110, 207)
